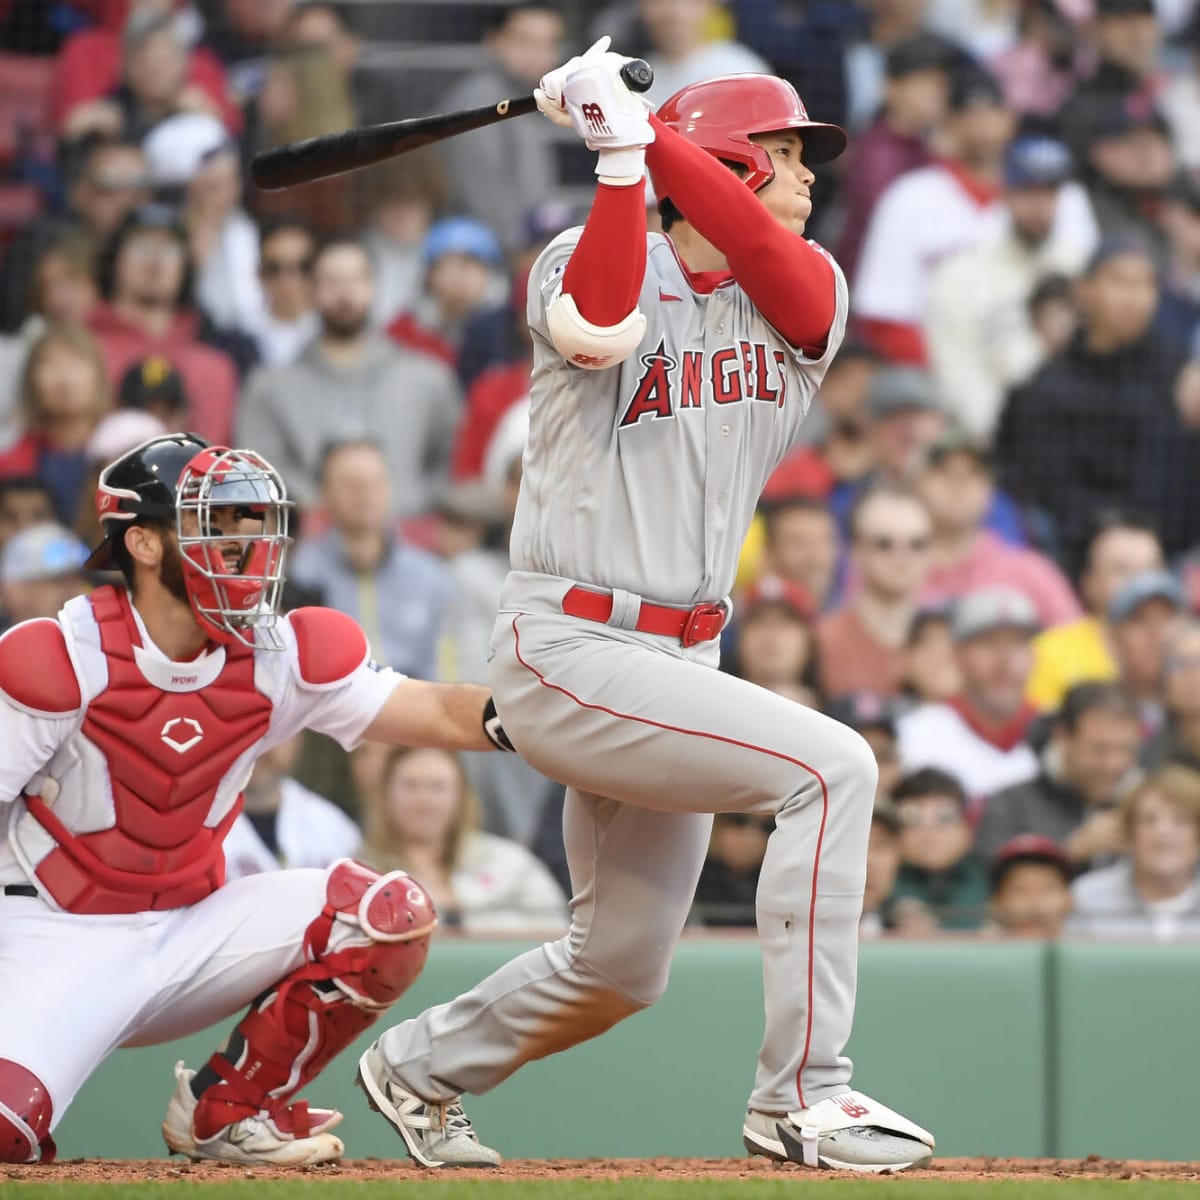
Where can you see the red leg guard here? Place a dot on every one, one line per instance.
(365, 948)
(25, 1115)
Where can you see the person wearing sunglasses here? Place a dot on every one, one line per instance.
(861, 644)
(288, 321)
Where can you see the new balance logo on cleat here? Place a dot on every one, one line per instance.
(849, 1107)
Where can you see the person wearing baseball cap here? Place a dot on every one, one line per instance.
(462, 262)
(41, 568)
(1141, 615)
(774, 642)
(1029, 881)
(980, 735)
(153, 385)
(978, 325)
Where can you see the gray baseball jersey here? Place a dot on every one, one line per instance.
(642, 479)
(645, 476)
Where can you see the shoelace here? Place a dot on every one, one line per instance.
(453, 1120)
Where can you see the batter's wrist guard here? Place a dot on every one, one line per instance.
(622, 168)
(494, 730)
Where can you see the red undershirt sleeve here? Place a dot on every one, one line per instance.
(791, 283)
(605, 271)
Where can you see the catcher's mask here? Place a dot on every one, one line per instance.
(229, 511)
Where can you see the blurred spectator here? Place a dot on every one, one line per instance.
(1030, 887)
(154, 84)
(1180, 101)
(1053, 314)
(153, 386)
(1087, 766)
(461, 263)
(801, 546)
(396, 592)
(425, 822)
(287, 321)
(24, 501)
(1178, 316)
(883, 864)
(62, 292)
(839, 450)
(91, 63)
(41, 568)
(1179, 740)
(1128, 165)
(499, 173)
(775, 642)
(1097, 426)
(957, 487)
(930, 213)
(241, 36)
(979, 735)
(109, 182)
(1040, 70)
(64, 393)
(145, 284)
(407, 401)
(874, 719)
(729, 878)
(1120, 545)
(496, 340)
(283, 824)
(192, 157)
(860, 644)
(113, 436)
(938, 868)
(983, 28)
(889, 23)
(682, 50)
(978, 326)
(1140, 617)
(951, 206)
(399, 200)
(304, 94)
(319, 23)
(898, 140)
(1155, 890)
(1126, 40)
(930, 673)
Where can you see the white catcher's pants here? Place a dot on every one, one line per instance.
(650, 741)
(74, 988)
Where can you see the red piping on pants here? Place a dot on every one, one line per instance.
(717, 737)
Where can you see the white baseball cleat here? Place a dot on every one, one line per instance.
(850, 1132)
(252, 1141)
(437, 1135)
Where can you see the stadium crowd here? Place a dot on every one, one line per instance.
(985, 556)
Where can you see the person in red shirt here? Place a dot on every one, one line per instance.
(145, 282)
(89, 67)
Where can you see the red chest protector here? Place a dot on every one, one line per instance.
(166, 752)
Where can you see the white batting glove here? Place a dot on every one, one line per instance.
(549, 92)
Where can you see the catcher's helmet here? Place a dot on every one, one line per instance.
(720, 114)
(180, 479)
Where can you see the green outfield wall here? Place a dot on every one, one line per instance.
(1001, 1049)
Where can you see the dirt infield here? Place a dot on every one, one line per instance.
(128, 1171)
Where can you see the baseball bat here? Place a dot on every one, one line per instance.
(319, 157)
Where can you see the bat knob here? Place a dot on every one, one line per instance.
(637, 75)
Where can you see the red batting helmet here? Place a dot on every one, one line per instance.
(720, 114)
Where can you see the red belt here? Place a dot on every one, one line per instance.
(690, 626)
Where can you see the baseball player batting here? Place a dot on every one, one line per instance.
(671, 374)
(130, 726)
